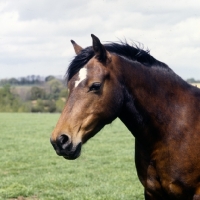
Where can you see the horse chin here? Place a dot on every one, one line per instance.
(74, 153)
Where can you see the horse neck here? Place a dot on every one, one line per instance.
(150, 95)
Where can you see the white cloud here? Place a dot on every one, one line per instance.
(35, 35)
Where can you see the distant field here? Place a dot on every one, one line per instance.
(30, 169)
(196, 84)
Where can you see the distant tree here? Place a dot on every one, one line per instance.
(13, 81)
(60, 103)
(24, 81)
(50, 106)
(9, 102)
(38, 107)
(37, 93)
(4, 82)
(46, 95)
(54, 87)
(64, 93)
(49, 78)
(44, 106)
(38, 79)
(32, 78)
(192, 80)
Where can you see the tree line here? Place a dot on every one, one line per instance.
(32, 94)
(36, 94)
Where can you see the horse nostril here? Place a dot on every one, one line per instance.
(63, 141)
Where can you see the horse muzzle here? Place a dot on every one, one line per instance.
(64, 147)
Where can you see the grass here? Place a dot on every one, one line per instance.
(30, 169)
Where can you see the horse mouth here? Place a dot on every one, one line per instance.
(74, 153)
(66, 148)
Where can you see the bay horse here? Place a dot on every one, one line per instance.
(160, 109)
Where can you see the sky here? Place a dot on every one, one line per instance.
(35, 34)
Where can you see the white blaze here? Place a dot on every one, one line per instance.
(81, 76)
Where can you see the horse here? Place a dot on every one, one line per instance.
(161, 110)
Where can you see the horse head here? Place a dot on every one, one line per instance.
(94, 100)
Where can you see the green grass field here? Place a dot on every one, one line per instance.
(31, 170)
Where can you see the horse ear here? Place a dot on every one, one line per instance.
(77, 48)
(100, 52)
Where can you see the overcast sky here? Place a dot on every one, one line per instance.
(35, 34)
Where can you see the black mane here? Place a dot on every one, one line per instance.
(122, 49)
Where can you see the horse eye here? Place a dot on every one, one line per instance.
(95, 87)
